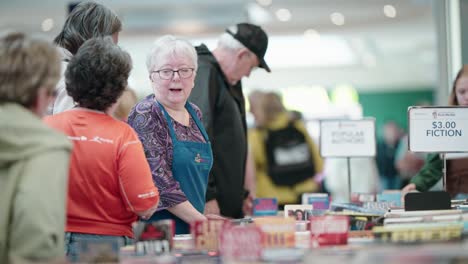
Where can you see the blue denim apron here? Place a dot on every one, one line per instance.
(191, 165)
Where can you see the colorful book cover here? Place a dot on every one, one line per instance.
(278, 232)
(300, 212)
(329, 230)
(265, 207)
(362, 197)
(349, 208)
(206, 233)
(317, 200)
(98, 250)
(241, 243)
(183, 242)
(382, 206)
(393, 197)
(153, 238)
(419, 232)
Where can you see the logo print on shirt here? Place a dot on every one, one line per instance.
(78, 138)
(101, 140)
(198, 158)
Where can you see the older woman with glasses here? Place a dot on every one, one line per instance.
(175, 142)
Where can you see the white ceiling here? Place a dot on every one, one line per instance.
(383, 53)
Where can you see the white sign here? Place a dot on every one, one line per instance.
(347, 138)
(438, 129)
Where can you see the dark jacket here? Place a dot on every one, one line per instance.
(223, 109)
(432, 172)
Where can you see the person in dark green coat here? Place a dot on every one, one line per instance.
(457, 168)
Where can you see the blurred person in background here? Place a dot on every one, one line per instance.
(250, 181)
(255, 98)
(34, 159)
(457, 165)
(407, 163)
(218, 93)
(296, 167)
(176, 144)
(386, 152)
(126, 102)
(110, 181)
(87, 20)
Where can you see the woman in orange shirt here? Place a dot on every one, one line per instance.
(110, 181)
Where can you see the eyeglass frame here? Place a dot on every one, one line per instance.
(173, 72)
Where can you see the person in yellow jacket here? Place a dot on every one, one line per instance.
(271, 115)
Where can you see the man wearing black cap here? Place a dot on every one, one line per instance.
(218, 93)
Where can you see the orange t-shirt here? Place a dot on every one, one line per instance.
(109, 179)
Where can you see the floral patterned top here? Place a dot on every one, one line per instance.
(147, 118)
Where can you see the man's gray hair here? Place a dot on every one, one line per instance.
(227, 41)
(169, 44)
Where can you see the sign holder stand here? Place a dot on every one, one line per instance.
(419, 120)
(444, 170)
(347, 138)
(348, 162)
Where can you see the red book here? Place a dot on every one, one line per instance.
(329, 230)
(153, 238)
(241, 243)
(206, 233)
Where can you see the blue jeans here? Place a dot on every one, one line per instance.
(76, 243)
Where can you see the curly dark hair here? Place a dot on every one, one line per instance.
(97, 75)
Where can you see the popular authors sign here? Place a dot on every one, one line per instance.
(347, 138)
(438, 129)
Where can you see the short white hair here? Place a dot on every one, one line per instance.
(227, 41)
(169, 44)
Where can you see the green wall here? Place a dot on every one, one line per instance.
(392, 105)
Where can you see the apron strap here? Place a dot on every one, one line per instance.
(194, 117)
(169, 122)
(197, 121)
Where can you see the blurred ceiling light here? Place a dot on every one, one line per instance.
(306, 99)
(283, 14)
(293, 51)
(186, 26)
(47, 24)
(264, 2)
(358, 44)
(389, 11)
(337, 19)
(257, 14)
(344, 94)
(312, 35)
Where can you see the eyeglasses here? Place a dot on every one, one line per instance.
(168, 74)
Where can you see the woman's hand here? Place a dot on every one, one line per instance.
(215, 217)
(247, 206)
(408, 188)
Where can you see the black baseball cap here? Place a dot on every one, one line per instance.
(255, 39)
